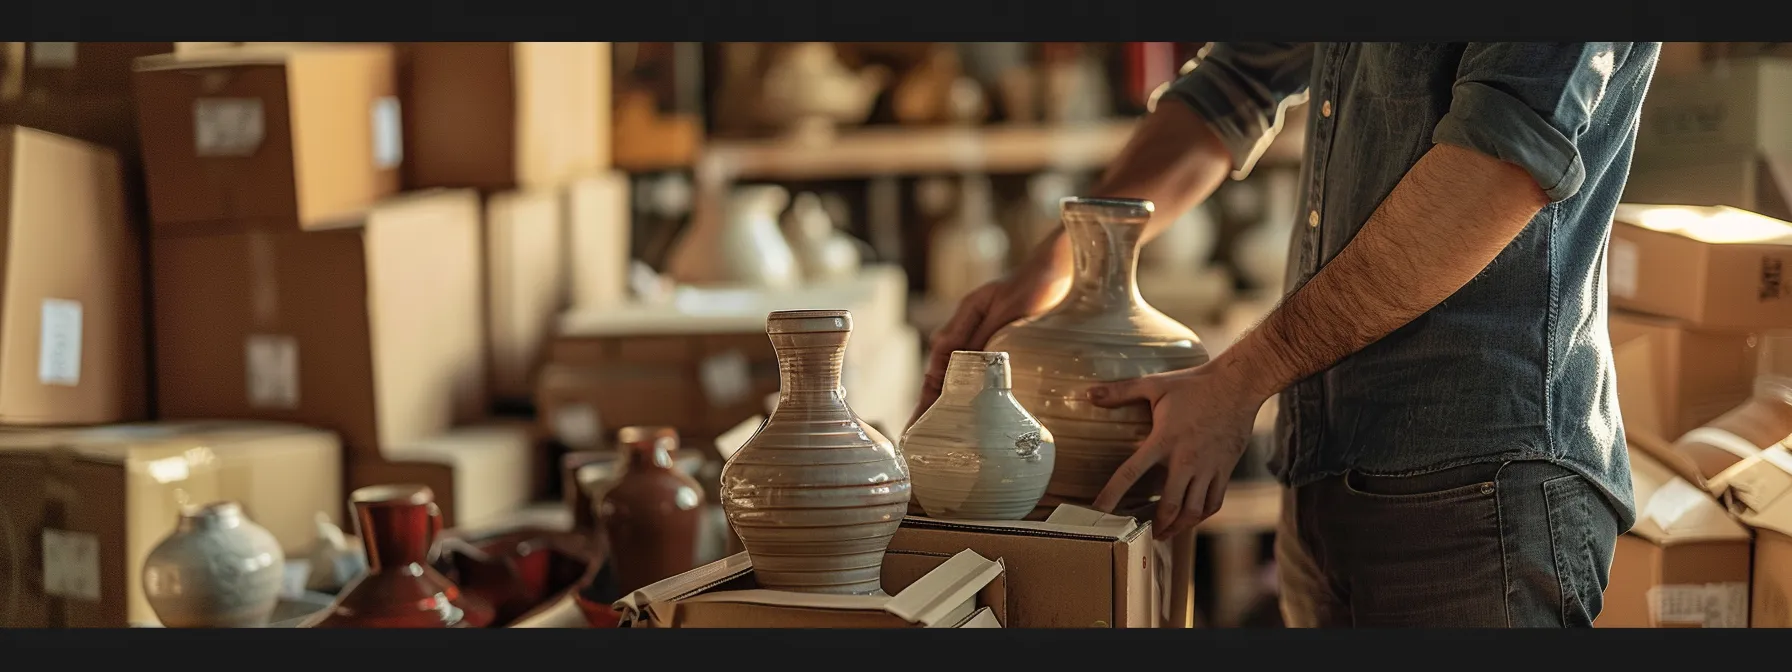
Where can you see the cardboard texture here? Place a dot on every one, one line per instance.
(372, 331)
(1713, 267)
(83, 516)
(598, 224)
(1062, 572)
(479, 474)
(1759, 491)
(1684, 564)
(310, 137)
(1692, 375)
(83, 68)
(1735, 109)
(963, 589)
(501, 115)
(1760, 184)
(525, 284)
(71, 318)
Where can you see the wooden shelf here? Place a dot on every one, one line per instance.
(881, 151)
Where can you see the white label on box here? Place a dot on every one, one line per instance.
(1621, 268)
(726, 378)
(388, 133)
(1671, 501)
(53, 55)
(71, 565)
(1711, 605)
(273, 371)
(59, 343)
(228, 126)
(577, 426)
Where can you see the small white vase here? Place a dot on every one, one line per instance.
(745, 248)
(970, 249)
(976, 454)
(217, 570)
(823, 252)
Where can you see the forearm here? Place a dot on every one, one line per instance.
(1173, 159)
(1455, 210)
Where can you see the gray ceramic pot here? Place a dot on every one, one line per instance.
(217, 570)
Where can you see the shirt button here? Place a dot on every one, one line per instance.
(1325, 109)
(1313, 218)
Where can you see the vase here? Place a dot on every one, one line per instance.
(216, 570)
(815, 496)
(744, 247)
(976, 454)
(335, 558)
(823, 252)
(1102, 331)
(652, 513)
(970, 249)
(808, 92)
(398, 527)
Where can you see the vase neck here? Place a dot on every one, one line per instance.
(809, 365)
(396, 535)
(648, 448)
(215, 516)
(969, 373)
(1104, 246)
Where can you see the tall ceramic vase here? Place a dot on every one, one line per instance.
(816, 494)
(217, 570)
(652, 513)
(399, 524)
(976, 454)
(1101, 332)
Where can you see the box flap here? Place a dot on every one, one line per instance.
(690, 583)
(1719, 225)
(1671, 510)
(983, 618)
(944, 597)
(1759, 490)
(1066, 521)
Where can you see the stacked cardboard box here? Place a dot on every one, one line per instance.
(1685, 564)
(1716, 135)
(1759, 491)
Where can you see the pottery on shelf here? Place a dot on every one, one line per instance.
(968, 250)
(816, 495)
(1102, 331)
(1261, 252)
(1186, 246)
(808, 90)
(745, 247)
(823, 251)
(652, 513)
(399, 525)
(216, 570)
(976, 454)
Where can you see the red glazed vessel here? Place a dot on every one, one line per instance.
(652, 513)
(399, 525)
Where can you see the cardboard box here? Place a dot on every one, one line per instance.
(105, 119)
(499, 115)
(1760, 184)
(1693, 375)
(962, 590)
(479, 473)
(599, 223)
(1077, 569)
(1685, 563)
(1732, 110)
(71, 315)
(372, 331)
(84, 68)
(1759, 491)
(1713, 267)
(306, 136)
(525, 284)
(82, 520)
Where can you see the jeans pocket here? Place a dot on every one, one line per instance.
(1440, 487)
(1582, 536)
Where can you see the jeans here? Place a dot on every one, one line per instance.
(1513, 544)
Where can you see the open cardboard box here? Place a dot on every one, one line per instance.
(965, 590)
(1686, 562)
(1078, 568)
(1759, 491)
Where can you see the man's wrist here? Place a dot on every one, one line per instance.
(1255, 366)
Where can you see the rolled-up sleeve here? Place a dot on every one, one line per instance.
(1242, 89)
(1529, 103)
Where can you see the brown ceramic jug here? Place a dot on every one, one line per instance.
(816, 495)
(1102, 331)
(399, 524)
(652, 512)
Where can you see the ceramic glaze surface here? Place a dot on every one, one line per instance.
(217, 570)
(976, 454)
(653, 512)
(822, 251)
(816, 494)
(399, 525)
(745, 247)
(1101, 332)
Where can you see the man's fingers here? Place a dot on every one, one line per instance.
(1128, 474)
(1123, 392)
(1216, 496)
(1176, 484)
(1190, 514)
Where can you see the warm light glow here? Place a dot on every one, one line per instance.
(1720, 225)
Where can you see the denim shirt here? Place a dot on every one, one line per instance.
(1517, 364)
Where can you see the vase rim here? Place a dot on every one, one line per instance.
(1118, 207)
(219, 509)
(391, 495)
(808, 321)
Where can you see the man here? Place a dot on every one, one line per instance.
(1449, 428)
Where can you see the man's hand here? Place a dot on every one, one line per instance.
(1201, 419)
(1031, 290)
